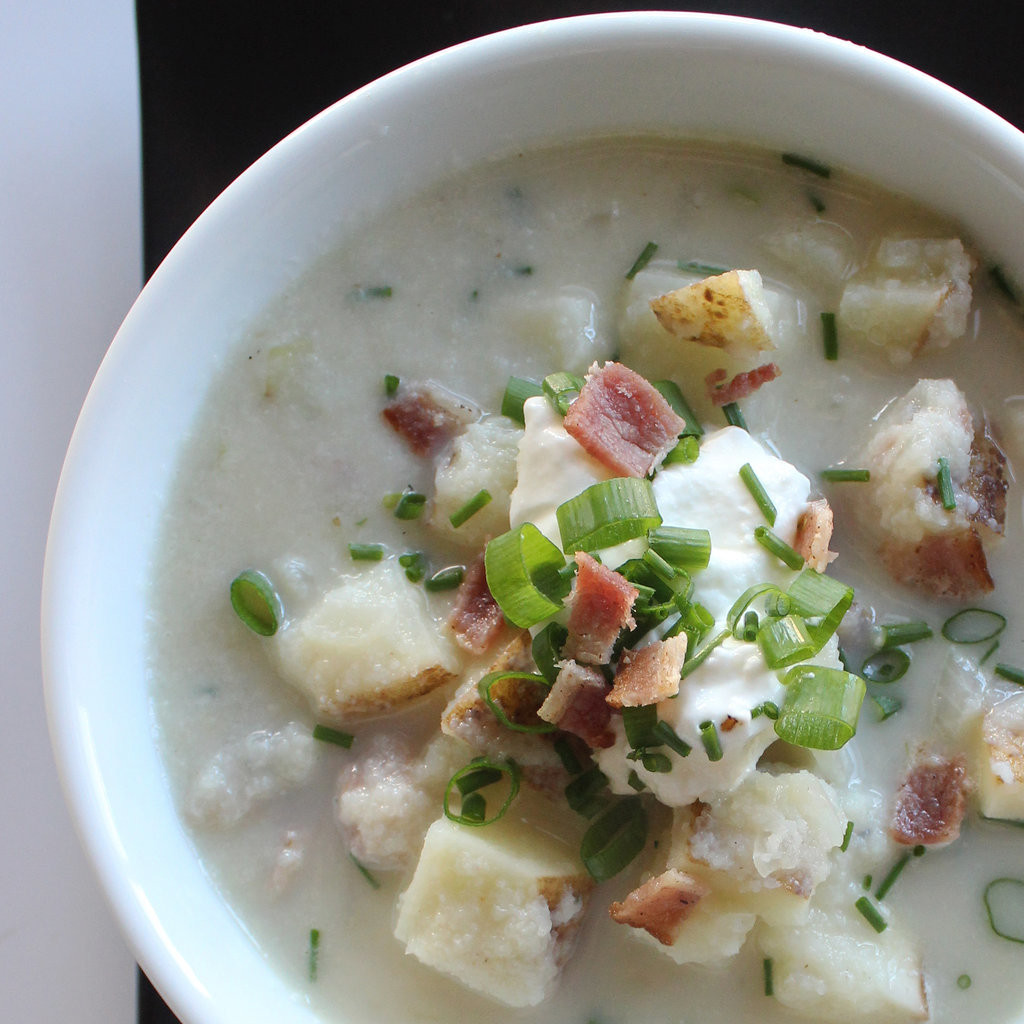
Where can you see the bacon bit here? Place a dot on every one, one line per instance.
(661, 904)
(427, 417)
(622, 420)
(601, 605)
(743, 384)
(476, 620)
(577, 703)
(813, 533)
(930, 804)
(950, 565)
(728, 724)
(650, 674)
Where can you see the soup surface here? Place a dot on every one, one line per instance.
(526, 267)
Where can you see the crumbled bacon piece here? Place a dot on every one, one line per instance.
(476, 620)
(602, 603)
(650, 674)
(813, 533)
(661, 904)
(427, 417)
(722, 392)
(623, 420)
(930, 804)
(576, 703)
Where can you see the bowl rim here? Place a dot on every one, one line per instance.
(185, 988)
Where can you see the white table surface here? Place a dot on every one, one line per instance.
(70, 266)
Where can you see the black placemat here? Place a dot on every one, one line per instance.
(221, 82)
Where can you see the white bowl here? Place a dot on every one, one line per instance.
(680, 74)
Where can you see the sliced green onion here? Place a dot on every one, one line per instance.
(481, 776)
(566, 754)
(448, 578)
(391, 500)
(887, 706)
(973, 626)
(890, 879)
(709, 738)
(871, 914)
(587, 794)
(840, 475)
(645, 257)
(945, 482)
(415, 565)
(821, 707)
(686, 452)
(699, 657)
(818, 597)
(778, 547)
(665, 572)
(614, 839)
(517, 391)
(847, 836)
(314, 952)
(634, 781)
(733, 416)
(807, 163)
(470, 509)
(829, 336)
(992, 648)
(509, 769)
(758, 493)
(410, 505)
(886, 666)
(964, 981)
(769, 984)
(371, 879)
(1004, 904)
(695, 622)
(747, 598)
(607, 513)
(326, 734)
(474, 809)
(707, 269)
(391, 383)
(522, 568)
(366, 552)
(684, 547)
(768, 708)
(537, 682)
(896, 634)
(562, 390)
(547, 650)
(1009, 672)
(669, 390)
(785, 641)
(255, 602)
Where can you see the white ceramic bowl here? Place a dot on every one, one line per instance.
(689, 74)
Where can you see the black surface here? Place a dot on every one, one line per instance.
(222, 82)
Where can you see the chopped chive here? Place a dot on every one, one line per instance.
(733, 416)
(1004, 904)
(750, 626)
(377, 291)
(712, 744)
(415, 565)
(919, 850)
(894, 872)
(614, 839)
(807, 163)
(847, 836)
(255, 602)
(372, 880)
(768, 708)
(707, 269)
(973, 626)
(326, 734)
(653, 761)
(470, 509)
(314, 952)
(391, 383)
(992, 648)
(964, 981)
(838, 475)
(866, 884)
(366, 552)
(701, 656)
(635, 782)
(829, 336)
(887, 706)
(998, 277)
(1010, 673)
(547, 651)
(517, 391)
(642, 260)
(662, 569)
(945, 481)
(896, 634)
(871, 914)
(570, 762)
(410, 505)
(886, 666)
(662, 732)
(758, 493)
(769, 985)
(445, 579)
(816, 201)
(587, 794)
(778, 547)
(524, 270)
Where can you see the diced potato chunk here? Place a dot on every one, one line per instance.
(369, 646)
(1000, 760)
(835, 967)
(561, 327)
(913, 297)
(819, 251)
(483, 457)
(496, 908)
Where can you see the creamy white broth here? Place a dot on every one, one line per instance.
(285, 482)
